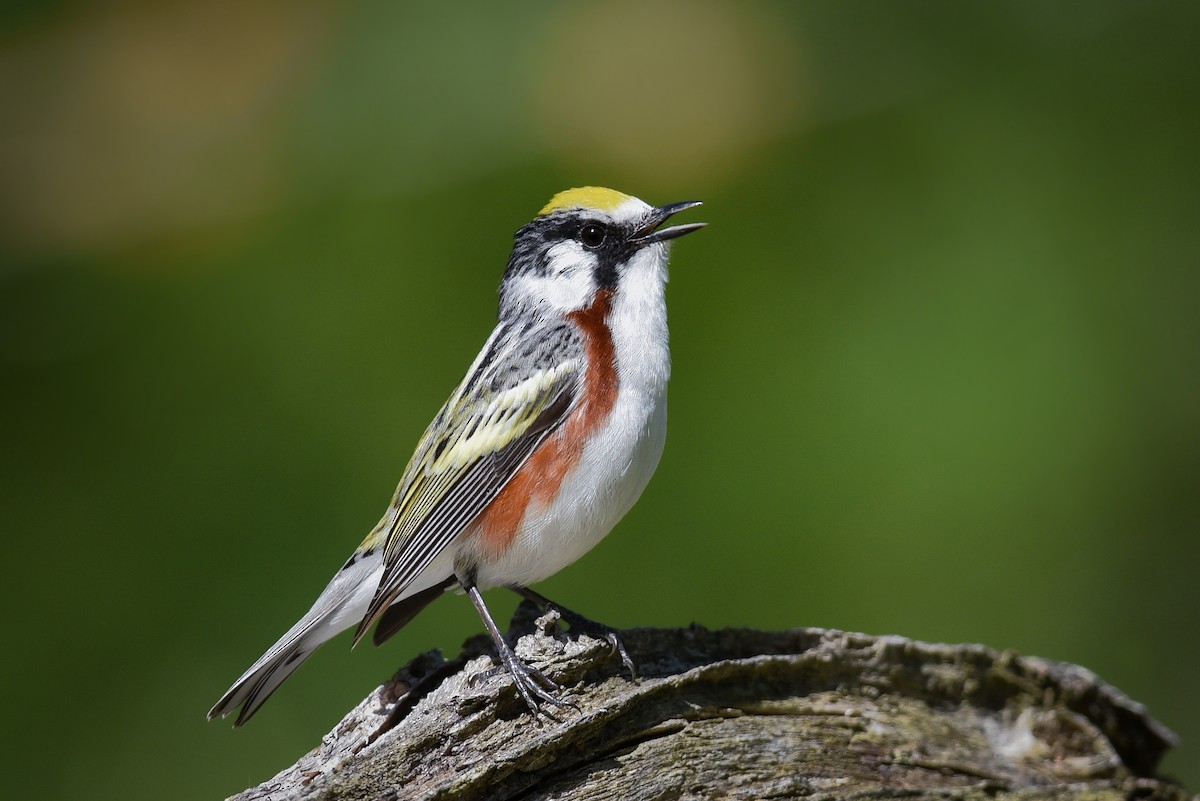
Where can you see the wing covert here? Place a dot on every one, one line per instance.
(521, 387)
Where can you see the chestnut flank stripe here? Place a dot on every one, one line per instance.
(542, 475)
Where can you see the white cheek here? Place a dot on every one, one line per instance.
(569, 286)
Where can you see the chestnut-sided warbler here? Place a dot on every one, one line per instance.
(547, 442)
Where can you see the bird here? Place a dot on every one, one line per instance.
(550, 438)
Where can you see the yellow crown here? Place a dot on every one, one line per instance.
(587, 197)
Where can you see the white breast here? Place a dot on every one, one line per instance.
(622, 455)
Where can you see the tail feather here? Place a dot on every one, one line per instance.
(253, 694)
(340, 606)
(401, 613)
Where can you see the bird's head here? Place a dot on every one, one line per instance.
(585, 241)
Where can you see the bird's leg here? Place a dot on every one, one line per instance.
(581, 625)
(531, 683)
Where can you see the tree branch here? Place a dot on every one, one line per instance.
(740, 714)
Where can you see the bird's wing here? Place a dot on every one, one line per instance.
(521, 387)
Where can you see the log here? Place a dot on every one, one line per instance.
(739, 714)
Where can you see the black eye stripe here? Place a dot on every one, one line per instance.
(535, 239)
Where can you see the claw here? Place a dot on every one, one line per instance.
(532, 684)
(618, 647)
(534, 687)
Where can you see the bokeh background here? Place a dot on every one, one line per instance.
(936, 358)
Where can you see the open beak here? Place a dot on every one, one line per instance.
(650, 232)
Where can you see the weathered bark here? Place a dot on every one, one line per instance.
(740, 714)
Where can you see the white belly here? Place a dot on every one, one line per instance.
(594, 496)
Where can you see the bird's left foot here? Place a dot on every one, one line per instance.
(534, 687)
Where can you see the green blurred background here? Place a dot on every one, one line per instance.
(936, 358)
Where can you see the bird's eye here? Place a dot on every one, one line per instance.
(592, 235)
